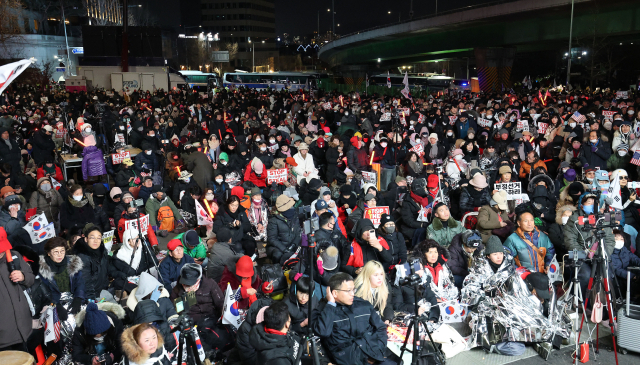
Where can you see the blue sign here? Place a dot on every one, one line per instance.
(60, 69)
(77, 50)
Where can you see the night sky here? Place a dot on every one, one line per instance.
(300, 17)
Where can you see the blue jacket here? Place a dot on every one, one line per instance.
(170, 270)
(144, 194)
(525, 254)
(463, 128)
(599, 157)
(74, 268)
(620, 260)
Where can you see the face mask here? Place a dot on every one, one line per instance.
(346, 114)
(418, 140)
(593, 140)
(121, 127)
(263, 149)
(45, 187)
(383, 144)
(619, 244)
(147, 152)
(390, 229)
(565, 220)
(572, 125)
(237, 119)
(257, 200)
(565, 170)
(272, 141)
(152, 135)
(622, 153)
(88, 130)
(449, 134)
(187, 179)
(631, 112)
(458, 157)
(375, 107)
(490, 116)
(77, 198)
(257, 139)
(99, 339)
(588, 209)
(140, 129)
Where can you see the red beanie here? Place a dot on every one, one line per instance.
(4, 242)
(173, 244)
(244, 267)
(355, 142)
(238, 191)
(432, 181)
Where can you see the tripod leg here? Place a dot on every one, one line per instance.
(612, 323)
(585, 301)
(406, 339)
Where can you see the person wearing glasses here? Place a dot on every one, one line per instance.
(95, 261)
(350, 327)
(630, 202)
(62, 273)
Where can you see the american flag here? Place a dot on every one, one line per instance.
(636, 158)
(579, 118)
(56, 325)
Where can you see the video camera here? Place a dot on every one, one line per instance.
(413, 278)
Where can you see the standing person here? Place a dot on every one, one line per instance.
(16, 326)
(47, 200)
(199, 163)
(283, 231)
(9, 151)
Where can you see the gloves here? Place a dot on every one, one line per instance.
(594, 148)
(320, 268)
(62, 313)
(297, 276)
(75, 305)
(156, 249)
(155, 229)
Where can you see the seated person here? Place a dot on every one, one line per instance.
(12, 216)
(443, 227)
(346, 344)
(273, 341)
(364, 248)
(371, 285)
(172, 264)
(298, 304)
(494, 218)
(404, 298)
(97, 333)
(241, 272)
(369, 201)
(538, 285)
(621, 258)
(132, 213)
(434, 259)
(243, 352)
(144, 344)
(464, 250)
(210, 299)
(130, 260)
(530, 247)
(162, 212)
(193, 245)
(221, 252)
(149, 288)
(146, 189)
(395, 240)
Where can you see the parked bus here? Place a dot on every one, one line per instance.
(432, 81)
(200, 81)
(272, 80)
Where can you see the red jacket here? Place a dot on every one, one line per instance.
(151, 236)
(250, 175)
(232, 279)
(58, 176)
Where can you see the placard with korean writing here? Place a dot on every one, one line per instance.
(485, 122)
(117, 158)
(622, 94)
(277, 176)
(542, 128)
(418, 148)
(523, 125)
(369, 177)
(385, 117)
(374, 214)
(133, 223)
(608, 114)
(452, 119)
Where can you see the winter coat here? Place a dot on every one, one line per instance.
(11, 156)
(93, 162)
(368, 252)
(58, 174)
(120, 270)
(76, 281)
(134, 355)
(599, 157)
(48, 203)
(244, 352)
(12, 225)
(471, 203)
(397, 247)
(198, 252)
(43, 147)
(488, 221)
(153, 206)
(224, 219)
(525, 254)
(298, 312)
(620, 260)
(180, 186)
(210, 299)
(404, 300)
(165, 306)
(357, 159)
(459, 261)
(202, 169)
(576, 239)
(409, 213)
(143, 161)
(16, 324)
(84, 346)
(219, 255)
(123, 176)
(352, 334)
(95, 267)
(170, 270)
(283, 237)
(75, 216)
(230, 278)
(275, 348)
(444, 236)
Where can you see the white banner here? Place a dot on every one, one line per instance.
(10, 71)
(117, 158)
(523, 125)
(369, 177)
(622, 94)
(133, 223)
(512, 188)
(485, 122)
(608, 114)
(278, 176)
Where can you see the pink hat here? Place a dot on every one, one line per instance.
(458, 151)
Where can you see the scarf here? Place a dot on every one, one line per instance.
(49, 170)
(536, 254)
(433, 152)
(8, 143)
(356, 259)
(420, 200)
(78, 204)
(233, 215)
(56, 267)
(246, 284)
(493, 266)
(416, 166)
(435, 270)
(289, 213)
(433, 192)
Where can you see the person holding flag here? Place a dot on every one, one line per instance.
(239, 274)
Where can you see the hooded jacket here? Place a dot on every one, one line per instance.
(93, 162)
(244, 352)
(10, 155)
(84, 346)
(76, 281)
(459, 260)
(153, 205)
(275, 348)
(219, 255)
(146, 285)
(134, 355)
(368, 252)
(46, 202)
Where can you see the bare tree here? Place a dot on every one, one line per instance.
(10, 30)
(232, 48)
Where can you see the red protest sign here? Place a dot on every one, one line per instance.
(608, 114)
(452, 119)
(486, 123)
(278, 176)
(419, 149)
(542, 128)
(117, 158)
(375, 214)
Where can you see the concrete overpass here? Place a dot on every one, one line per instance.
(491, 34)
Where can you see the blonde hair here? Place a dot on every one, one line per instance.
(363, 286)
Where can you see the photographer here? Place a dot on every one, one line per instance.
(404, 298)
(97, 334)
(209, 297)
(350, 327)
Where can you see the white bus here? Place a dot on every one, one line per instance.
(272, 80)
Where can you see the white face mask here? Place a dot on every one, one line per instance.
(219, 181)
(346, 114)
(622, 153)
(619, 244)
(77, 198)
(88, 130)
(383, 144)
(45, 187)
(572, 125)
(418, 140)
(458, 157)
(121, 127)
(490, 116)
(148, 153)
(565, 170)
(471, 135)
(263, 149)
(257, 139)
(631, 112)
(449, 134)
(375, 107)
(152, 135)
(593, 140)
(272, 141)
(565, 220)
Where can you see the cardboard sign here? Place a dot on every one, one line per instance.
(421, 118)
(374, 214)
(512, 188)
(133, 223)
(385, 117)
(486, 123)
(622, 94)
(542, 128)
(60, 133)
(498, 124)
(523, 125)
(120, 138)
(117, 158)
(535, 116)
(278, 176)
(326, 106)
(452, 119)
(608, 114)
(418, 148)
(369, 177)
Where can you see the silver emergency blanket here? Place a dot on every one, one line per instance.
(503, 302)
(445, 287)
(66, 329)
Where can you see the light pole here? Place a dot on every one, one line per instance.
(253, 62)
(570, 36)
(333, 14)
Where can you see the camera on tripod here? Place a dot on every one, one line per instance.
(413, 278)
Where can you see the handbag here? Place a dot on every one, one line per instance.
(596, 312)
(274, 274)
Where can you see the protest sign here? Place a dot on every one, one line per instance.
(535, 116)
(326, 106)
(622, 94)
(117, 158)
(278, 176)
(542, 128)
(107, 239)
(498, 124)
(484, 122)
(374, 214)
(369, 177)
(120, 138)
(133, 223)
(608, 114)
(385, 117)
(452, 119)
(421, 118)
(514, 191)
(418, 148)
(523, 125)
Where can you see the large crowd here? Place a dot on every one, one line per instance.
(481, 195)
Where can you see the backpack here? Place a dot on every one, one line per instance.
(166, 221)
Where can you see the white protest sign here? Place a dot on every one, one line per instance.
(278, 176)
(452, 119)
(523, 125)
(107, 239)
(535, 117)
(369, 177)
(418, 148)
(421, 118)
(542, 128)
(326, 106)
(622, 94)
(133, 223)
(485, 122)
(375, 214)
(608, 114)
(117, 158)
(512, 188)
(120, 138)
(385, 117)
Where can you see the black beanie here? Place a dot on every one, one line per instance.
(384, 219)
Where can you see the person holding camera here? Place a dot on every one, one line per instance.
(465, 249)
(209, 297)
(404, 297)
(96, 339)
(350, 327)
